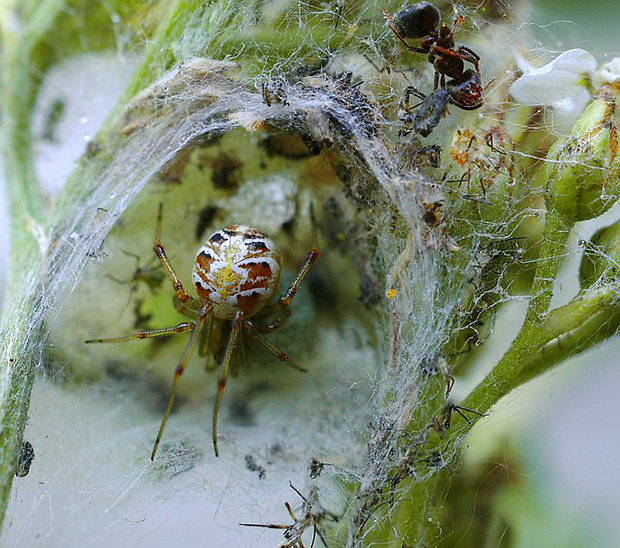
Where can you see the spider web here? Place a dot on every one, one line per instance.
(96, 409)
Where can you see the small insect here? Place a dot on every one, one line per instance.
(312, 515)
(442, 425)
(150, 275)
(466, 93)
(236, 274)
(433, 213)
(273, 92)
(316, 467)
(420, 21)
(24, 461)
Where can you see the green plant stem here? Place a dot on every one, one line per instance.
(24, 202)
(159, 53)
(409, 517)
(581, 317)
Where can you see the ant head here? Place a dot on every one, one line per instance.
(417, 21)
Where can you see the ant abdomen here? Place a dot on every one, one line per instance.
(417, 21)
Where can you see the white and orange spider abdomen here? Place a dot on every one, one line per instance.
(237, 268)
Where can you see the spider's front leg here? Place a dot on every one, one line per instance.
(158, 248)
(285, 301)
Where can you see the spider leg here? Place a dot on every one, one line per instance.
(139, 335)
(285, 301)
(234, 333)
(205, 337)
(267, 525)
(158, 248)
(204, 313)
(251, 327)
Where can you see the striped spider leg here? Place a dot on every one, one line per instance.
(282, 305)
(236, 273)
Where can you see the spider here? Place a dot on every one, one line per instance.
(235, 275)
(465, 93)
(421, 21)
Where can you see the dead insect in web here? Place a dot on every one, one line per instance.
(24, 461)
(273, 93)
(442, 425)
(236, 274)
(316, 467)
(433, 213)
(312, 515)
(150, 275)
(466, 93)
(253, 466)
(421, 21)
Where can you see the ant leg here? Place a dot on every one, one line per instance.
(436, 81)
(158, 248)
(462, 179)
(457, 23)
(450, 380)
(471, 56)
(489, 142)
(205, 312)
(272, 348)
(298, 543)
(139, 335)
(234, 333)
(266, 525)
(481, 181)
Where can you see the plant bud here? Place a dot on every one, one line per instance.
(601, 256)
(583, 169)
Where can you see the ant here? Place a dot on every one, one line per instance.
(465, 93)
(421, 21)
